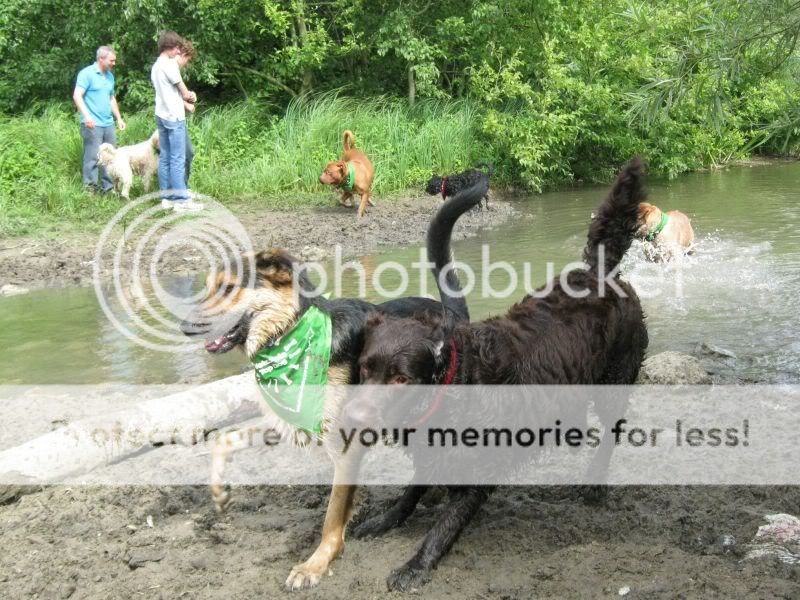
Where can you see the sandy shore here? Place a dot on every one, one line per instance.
(309, 233)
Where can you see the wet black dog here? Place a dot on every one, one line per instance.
(452, 184)
(595, 337)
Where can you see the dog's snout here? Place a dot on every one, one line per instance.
(361, 412)
(190, 327)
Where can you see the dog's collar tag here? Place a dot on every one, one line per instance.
(292, 371)
(349, 183)
(659, 228)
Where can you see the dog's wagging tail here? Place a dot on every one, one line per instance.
(616, 222)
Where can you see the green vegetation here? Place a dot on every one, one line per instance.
(550, 91)
(243, 154)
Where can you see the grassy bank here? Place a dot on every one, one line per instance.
(244, 154)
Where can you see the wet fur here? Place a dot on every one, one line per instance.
(556, 339)
(250, 316)
(460, 181)
(677, 237)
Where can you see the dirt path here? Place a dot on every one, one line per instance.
(309, 233)
(525, 543)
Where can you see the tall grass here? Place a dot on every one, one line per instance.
(244, 154)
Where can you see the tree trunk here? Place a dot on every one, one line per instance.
(300, 22)
(412, 86)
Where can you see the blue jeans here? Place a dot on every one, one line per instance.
(189, 157)
(92, 138)
(172, 159)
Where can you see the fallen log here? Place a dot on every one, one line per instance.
(84, 445)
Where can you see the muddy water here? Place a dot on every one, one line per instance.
(734, 301)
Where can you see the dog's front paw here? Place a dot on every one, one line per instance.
(407, 578)
(373, 526)
(304, 576)
(221, 495)
(594, 494)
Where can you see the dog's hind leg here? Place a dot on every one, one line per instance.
(440, 539)
(340, 509)
(394, 517)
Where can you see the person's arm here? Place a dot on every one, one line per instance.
(77, 97)
(173, 73)
(115, 111)
(186, 94)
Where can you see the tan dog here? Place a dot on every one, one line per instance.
(352, 174)
(122, 163)
(668, 232)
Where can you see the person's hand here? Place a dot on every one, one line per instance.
(192, 97)
(189, 106)
(121, 124)
(89, 123)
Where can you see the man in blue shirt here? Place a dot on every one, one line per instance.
(94, 97)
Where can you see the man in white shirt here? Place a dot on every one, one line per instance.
(171, 121)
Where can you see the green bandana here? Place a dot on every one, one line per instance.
(292, 371)
(349, 183)
(659, 228)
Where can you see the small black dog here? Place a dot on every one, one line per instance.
(452, 184)
(558, 338)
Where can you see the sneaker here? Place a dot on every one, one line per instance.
(168, 204)
(187, 206)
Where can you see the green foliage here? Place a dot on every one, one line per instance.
(244, 154)
(549, 90)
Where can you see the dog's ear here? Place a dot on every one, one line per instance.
(275, 266)
(438, 335)
(375, 319)
(644, 211)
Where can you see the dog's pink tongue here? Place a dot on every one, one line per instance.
(216, 344)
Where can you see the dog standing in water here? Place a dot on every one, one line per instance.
(670, 232)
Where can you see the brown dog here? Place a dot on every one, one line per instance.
(352, 174)
(669, 232)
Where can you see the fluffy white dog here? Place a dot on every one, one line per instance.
(122, 163)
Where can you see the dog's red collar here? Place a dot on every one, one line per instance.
(444, 183)
(448, 379)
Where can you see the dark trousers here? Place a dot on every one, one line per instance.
(92, 138)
